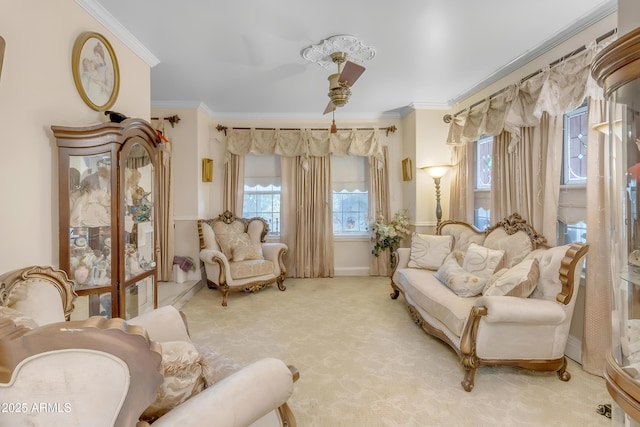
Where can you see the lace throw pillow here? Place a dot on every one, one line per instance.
(481, 261)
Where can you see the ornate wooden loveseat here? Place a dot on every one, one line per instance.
(499, 297)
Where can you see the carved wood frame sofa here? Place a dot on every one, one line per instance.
(497, 328)
(231, 270)
(111, 372)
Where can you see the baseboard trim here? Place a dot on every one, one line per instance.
(574, 349)
(351, 271)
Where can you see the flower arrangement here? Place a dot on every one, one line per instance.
(388, 234)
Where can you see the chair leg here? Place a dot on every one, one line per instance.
(562, 372)
(225, 292)
(469, 378)
(281, 285)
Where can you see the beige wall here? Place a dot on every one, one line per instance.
(431, 149)
(37, 91)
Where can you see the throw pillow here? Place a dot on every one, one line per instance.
(460, 281)
(245, 249)
(482, 261)
(239, 247)
(182, 371)
(518, 281)
(429, 251)
(216, 366)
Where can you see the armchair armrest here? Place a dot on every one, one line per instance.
(209, 256)
(503, 309)
(274, 251)
(217, 258)
(238, 400)
(163, 324)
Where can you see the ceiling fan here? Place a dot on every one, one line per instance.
(334, 50)
(340, 84)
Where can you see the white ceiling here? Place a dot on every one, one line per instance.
(243, 58)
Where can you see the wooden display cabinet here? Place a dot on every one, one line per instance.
(107, 192)
(617, 70)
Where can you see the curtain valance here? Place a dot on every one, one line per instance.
(305, 142)
(556, 90)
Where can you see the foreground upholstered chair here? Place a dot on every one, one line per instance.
(143, 371)
(235, 256)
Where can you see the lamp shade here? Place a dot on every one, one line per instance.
(437, 171)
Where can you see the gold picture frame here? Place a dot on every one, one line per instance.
(406, 169)
(95, 70)
(207, 170)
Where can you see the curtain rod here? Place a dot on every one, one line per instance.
(388, 129)
(171, 119)
(448, 117)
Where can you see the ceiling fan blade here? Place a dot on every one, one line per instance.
(351, 73)
(330, 107)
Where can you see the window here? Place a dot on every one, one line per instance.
(262, 190)
(572, 203)
(482, 194)
(350, 195)
(574, 164)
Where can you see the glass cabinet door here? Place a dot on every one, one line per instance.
(137, 199)
(90, 218)
(617, 70)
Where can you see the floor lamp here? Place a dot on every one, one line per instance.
(436, 173)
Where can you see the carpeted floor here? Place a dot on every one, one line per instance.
(364, 363)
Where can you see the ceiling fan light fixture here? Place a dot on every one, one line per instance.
(336, 50)
(340, 95)
(350, 46)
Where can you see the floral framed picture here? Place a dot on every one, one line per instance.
(95, 71)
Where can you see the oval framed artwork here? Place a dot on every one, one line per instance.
(95, 71)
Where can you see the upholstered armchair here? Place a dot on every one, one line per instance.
(140, 372)
(235, 256)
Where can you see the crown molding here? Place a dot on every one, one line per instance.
(597, 14)
(96, 10)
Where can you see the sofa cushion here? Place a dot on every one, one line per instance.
(251, 268)
(462, 235)
(215, 366)
(435, 298)
(18, 317)
(518, 281)
(429, 251)
(460, 281)
(515, 246)
(549, 261)
(33, 299)
(182, 372)
(482, 261)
